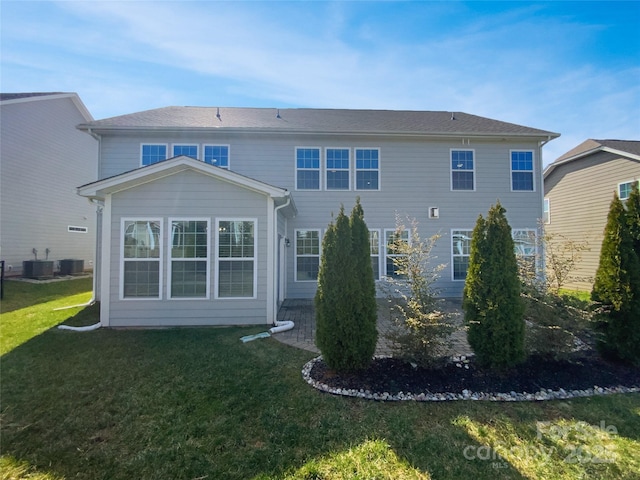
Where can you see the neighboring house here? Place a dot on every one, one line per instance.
(579, 187)
(215, 215)
(43, 158)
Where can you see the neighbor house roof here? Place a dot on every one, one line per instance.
(11, 98)
(323, 121)
(623, 148)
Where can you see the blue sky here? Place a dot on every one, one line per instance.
(568, 67)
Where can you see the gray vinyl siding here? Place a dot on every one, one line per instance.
(43, 158)
(414, 175)
(580, 193)
(186, 195)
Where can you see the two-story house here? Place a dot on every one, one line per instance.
(579, 187)
(215, 215)
(43, 158)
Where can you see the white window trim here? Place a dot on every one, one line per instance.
(204, 146)
(535, 242)
(473, 170)
(546, 207)
(173, 145)
(533, 170)
(254, 258)
(295, 252)
(320, 175)
(170, 257)
(624, 183)
(356, 170)
(160, 258)
(326, 169)
(383, 272)
(465, 229)
(142, 144)
(379, 255)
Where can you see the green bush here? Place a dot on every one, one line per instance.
(616, 290)
(346, 331)
(420, 328)
(492, 305)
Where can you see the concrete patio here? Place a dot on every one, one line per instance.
(301, 313)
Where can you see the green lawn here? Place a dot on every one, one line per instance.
(199, 404)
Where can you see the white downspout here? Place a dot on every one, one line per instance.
(287, 325)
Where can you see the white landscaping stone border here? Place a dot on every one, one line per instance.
(544, 394)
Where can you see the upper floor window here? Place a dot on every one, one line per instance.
(217, 155)
(337, 169)
(460, 252)
(307, 168)
(624, 189)
(367, 169)
(186, 150)
(153, 153)
(522, 171)
(462, 170)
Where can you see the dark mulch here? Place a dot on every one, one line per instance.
(393, 376)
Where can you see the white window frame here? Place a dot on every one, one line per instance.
(174, 145)
(170, 257)
(451, 170)
(546, 211)
(319, 169)
(160, 258)
(144, 144)
(204, 149)
(296, 256)
(387, 255)
(327, 169)
(626, 183)
(459, 255)
(533, 169)
(377, 255)
(356, 169)
(514, 232)
(218, 258)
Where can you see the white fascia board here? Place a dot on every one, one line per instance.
(73, 96)
(621, 153)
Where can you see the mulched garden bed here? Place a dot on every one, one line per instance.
(582, 371)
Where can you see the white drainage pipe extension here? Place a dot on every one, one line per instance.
(282, 326)
(88, 328)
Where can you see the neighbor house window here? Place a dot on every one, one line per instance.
(189, 259)
(374, 241)
(337, 166)
(307, 168)
(522, 171)
(141, 254)
(217, 155)
(394, 240)
(624, 189)
(236, 258)
(460, 252)
(186, 150)
(367, 168)
(462, 170)
(307, 255)
(153, 153)
(546, 212)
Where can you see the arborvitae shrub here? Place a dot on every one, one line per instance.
(492, 305)
(616, 290)
(633, 218)
(346, 331)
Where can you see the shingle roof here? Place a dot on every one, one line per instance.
(630, 147)
(307, 120)
(16, 96)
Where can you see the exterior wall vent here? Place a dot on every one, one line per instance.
(434, 212)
